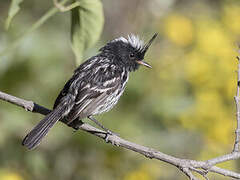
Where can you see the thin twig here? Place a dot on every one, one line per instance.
(27, 105)
(189, 174)
(237, 99)
(201, 172)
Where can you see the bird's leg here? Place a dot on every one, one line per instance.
(98, 123)
(108, 132)
(75, 124)
(101, 126)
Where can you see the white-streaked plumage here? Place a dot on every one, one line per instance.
(95, 87)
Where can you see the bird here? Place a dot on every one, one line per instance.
(95, 86)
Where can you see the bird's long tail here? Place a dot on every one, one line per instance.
(35, 136)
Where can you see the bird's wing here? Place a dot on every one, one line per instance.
(81, 75)
(63, 92)
(90, 98)
(92, 82)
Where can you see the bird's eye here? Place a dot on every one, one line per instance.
(131, 55)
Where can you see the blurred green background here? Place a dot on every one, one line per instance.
(183, 106)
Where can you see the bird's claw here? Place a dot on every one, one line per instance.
(113, 142)
(112, 133)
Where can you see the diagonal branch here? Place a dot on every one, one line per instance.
(27, 105)
(187, 166)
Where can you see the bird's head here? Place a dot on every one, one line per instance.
(129, 52)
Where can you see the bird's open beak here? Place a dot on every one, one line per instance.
(144, 63)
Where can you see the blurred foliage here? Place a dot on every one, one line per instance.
(184, 106)
(13, 10)
(86, 26)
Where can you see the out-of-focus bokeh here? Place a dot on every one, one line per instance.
(183, 107)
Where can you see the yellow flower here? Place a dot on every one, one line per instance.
(231, 18)
(209, 115)
(137, 175)
(146, 171)
(10, 176)
(213, 40)
(179, 29)
(197, 68)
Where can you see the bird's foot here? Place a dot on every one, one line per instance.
(110, 137)
(112, 133)
(75, 128)
(75, 125)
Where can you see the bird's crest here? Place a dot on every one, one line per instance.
(132, 40)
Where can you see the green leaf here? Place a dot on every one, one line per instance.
(13, 10)
(87, 24)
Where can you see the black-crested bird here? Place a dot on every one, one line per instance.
(95, 86)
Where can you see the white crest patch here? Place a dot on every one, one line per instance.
(135, 41)
(132, 40)
(120, 39)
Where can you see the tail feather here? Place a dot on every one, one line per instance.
(35, 136)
